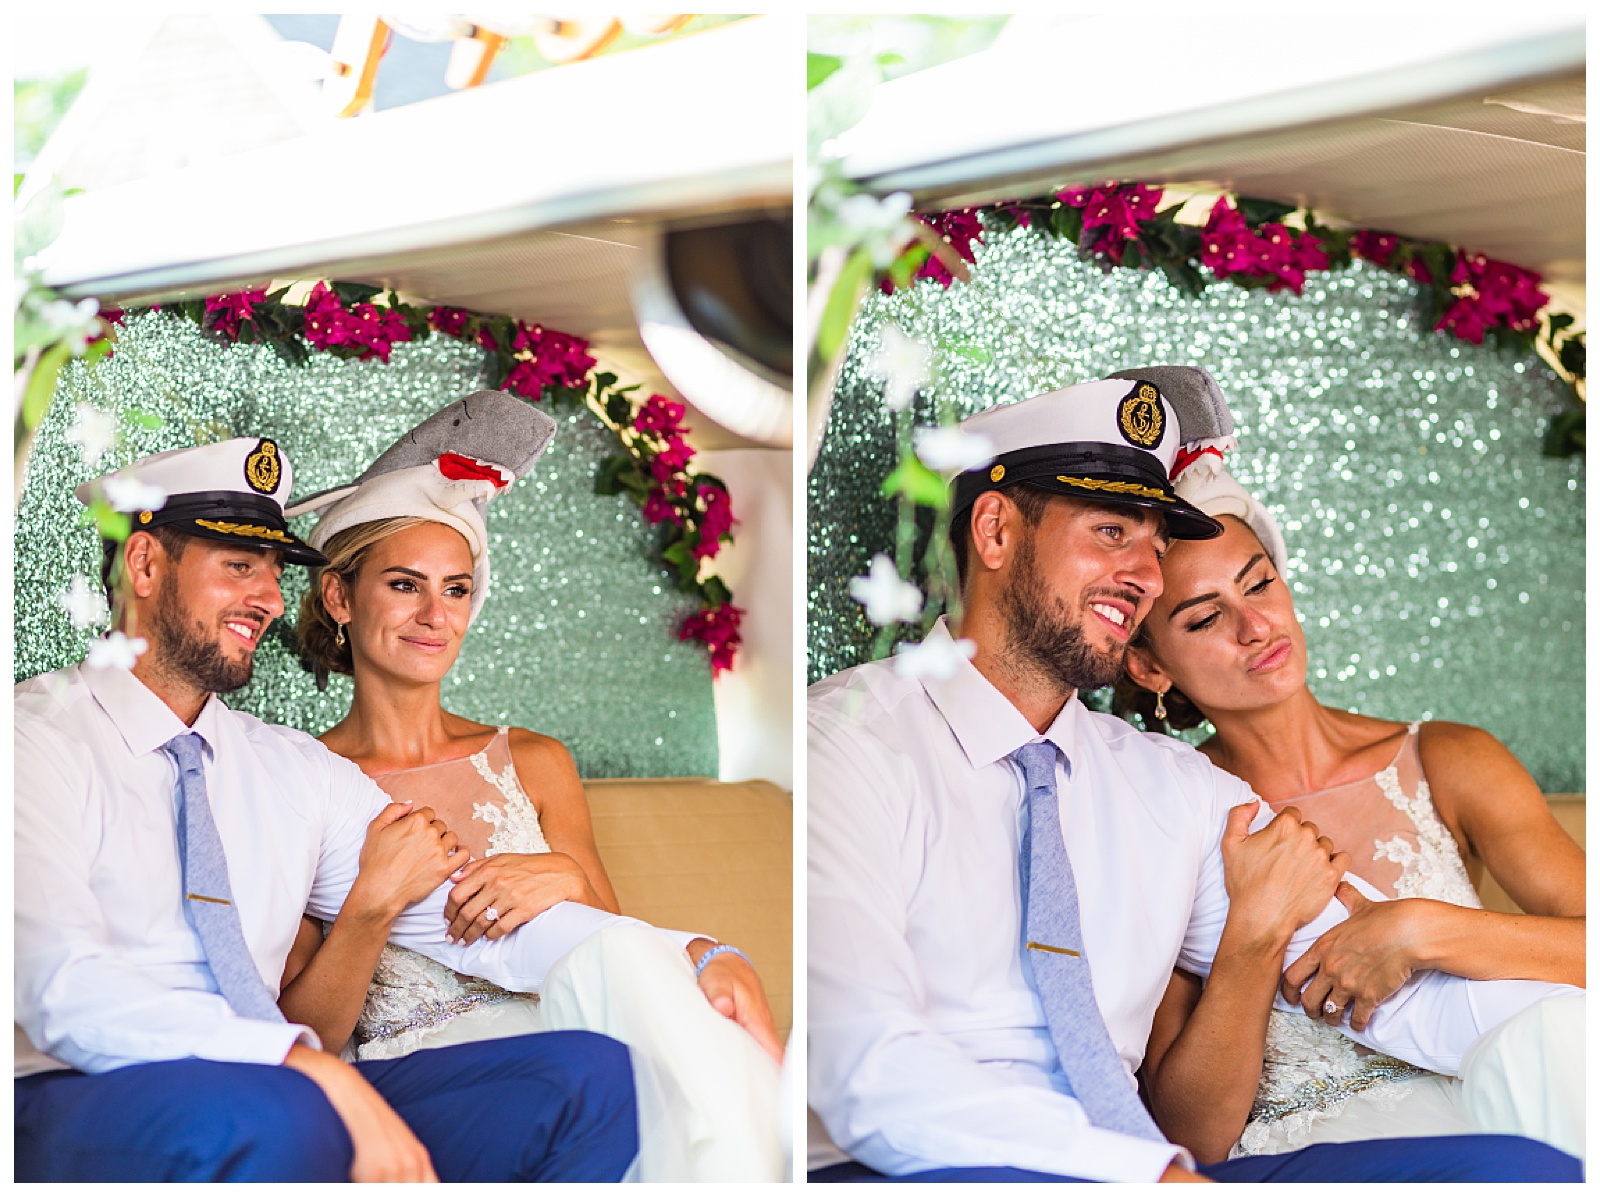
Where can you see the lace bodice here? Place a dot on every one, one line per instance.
(410, 993)
(1399, 844)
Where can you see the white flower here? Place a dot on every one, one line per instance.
(932, 659)
(116, 649)
(947, 448)
(84, 603)
(94, 432)
(129, 495)
(887, 597)
(74, 322)
(902, 363)
(878, 225)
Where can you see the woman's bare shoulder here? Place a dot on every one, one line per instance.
(532, 747)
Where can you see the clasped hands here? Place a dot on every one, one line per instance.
(1282, 877)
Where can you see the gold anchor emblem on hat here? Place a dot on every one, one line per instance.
(997, 473)
(1140, 418)
(263, 469)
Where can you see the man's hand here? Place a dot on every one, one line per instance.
(385, 1149)
(734, 990)
(519, 887)
(1359, 963)
(1176, 1175)
(407, 854)
(1280, 877)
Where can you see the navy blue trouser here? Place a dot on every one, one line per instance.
(540, 1107)
(1500, 1158)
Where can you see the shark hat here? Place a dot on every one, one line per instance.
(1121, 440)
(445, 470)
(230, 491)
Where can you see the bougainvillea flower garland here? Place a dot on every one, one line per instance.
(690, 511)
(1246, 241)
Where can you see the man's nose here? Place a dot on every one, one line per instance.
(1143, 570)
(269, 597)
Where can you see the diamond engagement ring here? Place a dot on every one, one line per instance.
(493, 915)
(1328, 1007)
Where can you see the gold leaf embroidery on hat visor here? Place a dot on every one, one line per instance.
(245, 531)
(1120, 486)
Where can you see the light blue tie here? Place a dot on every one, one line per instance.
(207, 894)
(1054, 942)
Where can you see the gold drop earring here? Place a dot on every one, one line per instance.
(1161, 705)
(338, 637)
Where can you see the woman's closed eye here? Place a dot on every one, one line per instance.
(1257, 589)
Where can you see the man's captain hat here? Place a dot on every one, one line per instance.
(231, 491)
(1122, 440)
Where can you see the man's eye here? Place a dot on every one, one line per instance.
(1111, 531)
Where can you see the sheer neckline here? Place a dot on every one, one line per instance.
(400, 771)
(1410, 734)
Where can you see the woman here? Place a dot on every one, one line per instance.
(1421, 808)
(391, 609)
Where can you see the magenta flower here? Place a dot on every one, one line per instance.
(449, 321)
(526, 380)
(718, 629)
(658, 507)
(675, 454)
(232, 309)
(1375, 247)
(658, 415)
(715, 521)
(960, 229)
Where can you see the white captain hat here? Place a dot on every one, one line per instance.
(232, 491)
(1120, 440)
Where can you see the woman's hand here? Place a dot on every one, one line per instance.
(407, 854)
(1280, 877)
(1359, 963)
(734, 990)
(518, 887)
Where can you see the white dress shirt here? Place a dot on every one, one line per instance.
(927, 1044)
(109, 972)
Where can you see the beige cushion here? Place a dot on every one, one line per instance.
(704, 855)
(1568, 808)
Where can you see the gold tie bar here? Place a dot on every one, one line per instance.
(194, 896)
(1043, 946)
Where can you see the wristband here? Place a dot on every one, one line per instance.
(721, 948)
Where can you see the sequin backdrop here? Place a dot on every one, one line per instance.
(577, 639)
(1436, 557)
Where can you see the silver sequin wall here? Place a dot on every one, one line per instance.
(1436, 557)
(578, 636)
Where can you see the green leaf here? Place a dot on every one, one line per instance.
(42, 384)
(1132, 254)
(618, 409)
(1256, 211)
(604, 380)
(916, 482)
(607, 476)
(349, 293)
(841, 307)
(1556, 322)
(819, 67)
(715, 591)
(1572, 355)
(706, 479)
(679, 553)
(1566, 435)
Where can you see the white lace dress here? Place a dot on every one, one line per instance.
(1317, 1085)
(708, 1094)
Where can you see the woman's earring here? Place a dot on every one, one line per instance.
(1161, 705)
(338, 637)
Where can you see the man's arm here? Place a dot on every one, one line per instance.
(893, 1092)
(79, 998)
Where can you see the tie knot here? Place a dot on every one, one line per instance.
(185, 750)
(1038, 763)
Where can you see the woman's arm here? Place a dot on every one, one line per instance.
(406, 856)
(521, 887)
(1203, 1062)
(1487, 798)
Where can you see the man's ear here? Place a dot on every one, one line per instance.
(334, 599)
(1142, 670)
(995, 526)
(143, 561)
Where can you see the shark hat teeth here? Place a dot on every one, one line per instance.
(230, 491)
(446, 470)
(1113, 440)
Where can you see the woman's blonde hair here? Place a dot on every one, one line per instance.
(316, 630)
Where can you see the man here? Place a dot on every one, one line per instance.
(979, 839)
(166, 849)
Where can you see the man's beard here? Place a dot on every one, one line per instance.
(187, 651)
(1041, 637)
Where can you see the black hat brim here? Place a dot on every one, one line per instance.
(233, 518)
(1183, 519)
(292, 548)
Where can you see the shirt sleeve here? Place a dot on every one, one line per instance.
(78, 998)
(893, 1092)
(517, 962)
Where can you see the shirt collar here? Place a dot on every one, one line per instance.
(987, 725)
(139, 715)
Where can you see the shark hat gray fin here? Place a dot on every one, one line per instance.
(1110, 440)
(445, 470)
(231, 491)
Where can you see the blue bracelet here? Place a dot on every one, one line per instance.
(721, 948)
